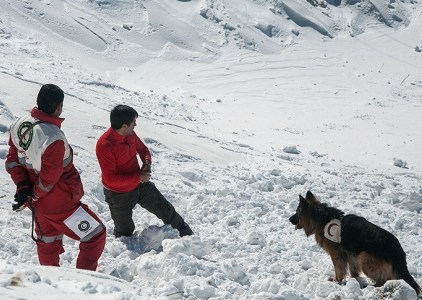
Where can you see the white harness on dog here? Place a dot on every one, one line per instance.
(332, 231)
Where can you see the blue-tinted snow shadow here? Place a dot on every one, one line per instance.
(150, 238)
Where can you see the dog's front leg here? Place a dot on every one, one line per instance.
(339, 259)
(354, 265)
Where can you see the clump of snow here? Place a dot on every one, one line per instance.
(400, 163)
(221, 87)
(291, 150)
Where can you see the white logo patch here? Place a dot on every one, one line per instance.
(81, 222)
(332, 231)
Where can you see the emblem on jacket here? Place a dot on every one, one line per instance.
(84, 226)
(25, 132)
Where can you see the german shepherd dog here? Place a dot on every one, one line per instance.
(360, 246)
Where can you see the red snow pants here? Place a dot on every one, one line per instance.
(51, 228)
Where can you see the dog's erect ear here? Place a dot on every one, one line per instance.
(309, 195)
(302, 201)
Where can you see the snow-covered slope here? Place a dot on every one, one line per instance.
(245, 104)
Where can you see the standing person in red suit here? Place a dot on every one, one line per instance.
(125, 182)
(40, 162)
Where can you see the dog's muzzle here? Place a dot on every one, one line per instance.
(295, 221)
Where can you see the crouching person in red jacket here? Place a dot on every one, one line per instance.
(40, 162)
(125, 182)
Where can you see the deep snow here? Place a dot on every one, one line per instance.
(245, 104)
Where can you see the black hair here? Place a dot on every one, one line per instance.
(122, 114)
(49, 98)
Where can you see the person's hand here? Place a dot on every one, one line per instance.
(24, 193)
(146, 171)
(146, 167)
(145, 177)
(19, 205)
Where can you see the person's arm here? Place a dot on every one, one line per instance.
(108, 165)
(51, 168)
(145, 156)
(19, 176)
(142, 150)
(17, 172)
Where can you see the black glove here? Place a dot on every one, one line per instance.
(23, 192)
(146, 167)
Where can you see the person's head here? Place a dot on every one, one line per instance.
(50, 99)
(123, 119)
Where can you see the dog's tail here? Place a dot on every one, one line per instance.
(400, 268)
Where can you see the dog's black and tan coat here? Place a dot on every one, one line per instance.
(364, 247)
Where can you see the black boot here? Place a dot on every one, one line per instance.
(185, 230)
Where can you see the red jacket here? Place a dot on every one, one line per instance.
(47, 164)
(117, 156)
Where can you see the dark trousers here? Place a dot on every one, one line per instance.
(146, 195)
